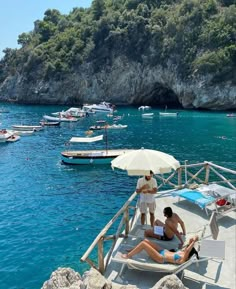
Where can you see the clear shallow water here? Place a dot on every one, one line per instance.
(51, 213)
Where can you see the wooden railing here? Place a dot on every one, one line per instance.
(186, 176)
(101, 237)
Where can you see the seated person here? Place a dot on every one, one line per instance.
(170, 228)
(160, 255)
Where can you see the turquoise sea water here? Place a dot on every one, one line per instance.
(51, 213)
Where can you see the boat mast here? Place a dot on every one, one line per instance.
(106, 139)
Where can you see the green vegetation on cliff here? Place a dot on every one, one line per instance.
(197, 36)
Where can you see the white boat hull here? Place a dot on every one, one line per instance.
(146, 115)
(4, 137)
(103, 107)
(8, 136)
(27, 127)
(23, 132)
(168, 113)
(91, 157)
(59, 119)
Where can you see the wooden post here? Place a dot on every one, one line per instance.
(179, 177)
(101, 256)
(126, 221)
(207, 173)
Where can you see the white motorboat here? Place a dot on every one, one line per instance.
(13, 138)
(165, 113)
(116, 126)
(8, 136)
(231, 115)
(108, 126)
(90, 157)
(27, 127)
(143, 107)
(4, 135)
(105, 107)
(148, 115)
(73, 111)
(168, 113)
(23, 132)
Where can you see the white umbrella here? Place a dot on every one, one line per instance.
(140, 162)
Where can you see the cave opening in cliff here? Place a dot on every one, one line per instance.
(160, 96)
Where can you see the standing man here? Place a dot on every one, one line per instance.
(147, 188)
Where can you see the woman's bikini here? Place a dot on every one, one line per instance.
(176, 256)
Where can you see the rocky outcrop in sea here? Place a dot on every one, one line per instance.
(67, 278)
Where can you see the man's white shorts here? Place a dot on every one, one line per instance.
(150, 206)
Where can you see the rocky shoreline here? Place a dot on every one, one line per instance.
(67, 278)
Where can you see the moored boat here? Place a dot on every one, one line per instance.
(8, 136)
(4, 135)
(59, 119)
(117, 126)
(50, 123)
(104, 107)
(13, 138)
(108, 126)
(148, 115)
(92, 156)
(144, 107)
(166, 113)
(23, 132)
(27, 127)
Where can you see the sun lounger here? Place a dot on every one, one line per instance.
(196, 197)
(143, 262)
(206, 195)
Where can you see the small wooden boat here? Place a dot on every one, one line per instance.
(27, 127)
(50, 123)
(90, 157)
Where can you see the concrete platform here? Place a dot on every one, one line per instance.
(212, 274)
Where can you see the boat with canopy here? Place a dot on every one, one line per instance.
(91, 156)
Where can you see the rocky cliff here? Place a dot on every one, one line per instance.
(123, 83)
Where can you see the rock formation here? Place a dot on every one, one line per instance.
(67, 278)
(123, 83)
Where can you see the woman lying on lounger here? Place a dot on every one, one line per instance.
(161, 255)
